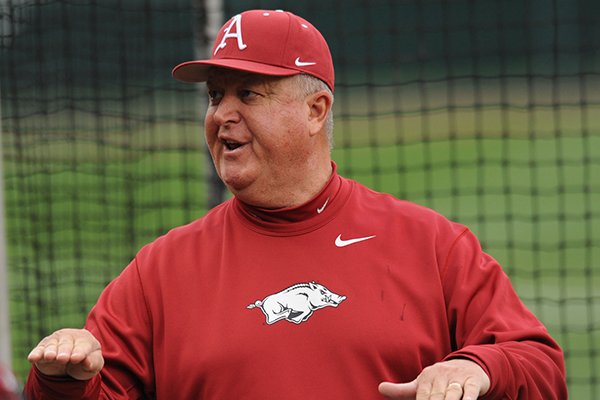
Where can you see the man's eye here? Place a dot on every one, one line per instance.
(245, 94)
(214, 96)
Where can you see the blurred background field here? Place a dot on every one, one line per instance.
(487, 111)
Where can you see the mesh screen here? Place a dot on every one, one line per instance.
(487, 111)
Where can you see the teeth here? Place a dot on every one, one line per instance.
(231, 145)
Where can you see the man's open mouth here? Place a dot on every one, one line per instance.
(231, 145)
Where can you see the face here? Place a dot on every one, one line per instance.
(258, 134)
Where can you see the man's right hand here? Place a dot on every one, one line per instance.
(68, 352)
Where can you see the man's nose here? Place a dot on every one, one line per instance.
(226, 111)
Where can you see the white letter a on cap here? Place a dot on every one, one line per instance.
(237, 21)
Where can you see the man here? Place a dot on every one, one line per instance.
(304, 285)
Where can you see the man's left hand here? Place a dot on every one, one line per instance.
(447, 380)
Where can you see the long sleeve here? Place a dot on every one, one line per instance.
(492, 327)
(41, 387)
(119, 321)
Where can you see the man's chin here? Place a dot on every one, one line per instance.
(249, 195)
(236, 184)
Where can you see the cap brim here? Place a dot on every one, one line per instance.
(197, 71)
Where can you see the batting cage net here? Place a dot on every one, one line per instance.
(487, 111)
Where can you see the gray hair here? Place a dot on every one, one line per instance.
(308, 84)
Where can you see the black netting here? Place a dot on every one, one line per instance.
(488, 111)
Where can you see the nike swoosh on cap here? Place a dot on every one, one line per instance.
(339, 242)
(303, 63)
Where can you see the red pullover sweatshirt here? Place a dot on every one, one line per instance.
(322, 301)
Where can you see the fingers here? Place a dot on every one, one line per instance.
(454, 391)
(411, 391)
(57, 346)
(65, 345)
(449, 380)
(399, 391)
(440, 390)
(471, 390)
(74, 352)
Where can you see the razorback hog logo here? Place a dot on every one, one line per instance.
(297, 303)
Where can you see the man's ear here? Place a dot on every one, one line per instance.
(319, 106)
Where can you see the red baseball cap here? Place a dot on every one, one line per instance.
(265, 42)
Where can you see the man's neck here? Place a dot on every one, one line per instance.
(295, 194)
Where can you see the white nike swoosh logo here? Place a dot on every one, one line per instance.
(303, 63)
(320, 209)
(339, 242)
